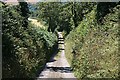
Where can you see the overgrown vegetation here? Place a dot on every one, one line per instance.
(62, 16)
(25, 49)
(91, 38)
(92, 48)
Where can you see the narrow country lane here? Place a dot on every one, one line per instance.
(58, 68)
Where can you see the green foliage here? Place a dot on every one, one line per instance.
(92, 49)
(24, 12)
(58, 16)
(63, 16)
(25, 50)
(103, 9)
(49, 13)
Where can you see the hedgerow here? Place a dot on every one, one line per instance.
(24, 50)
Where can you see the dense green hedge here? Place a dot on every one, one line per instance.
(92, 48)
(25, 50)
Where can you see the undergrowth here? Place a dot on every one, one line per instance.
(92, 48)
(25, 50)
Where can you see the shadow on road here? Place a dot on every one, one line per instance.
(61, 49)
(52, 60)
(60, 69)
(60, 38)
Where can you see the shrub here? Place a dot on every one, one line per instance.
(25, 50)
(92, 49)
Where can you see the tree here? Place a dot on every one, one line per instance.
(62, 16)
(49, 13)
(24, 12)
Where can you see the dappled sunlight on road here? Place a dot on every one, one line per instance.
(58, 68)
